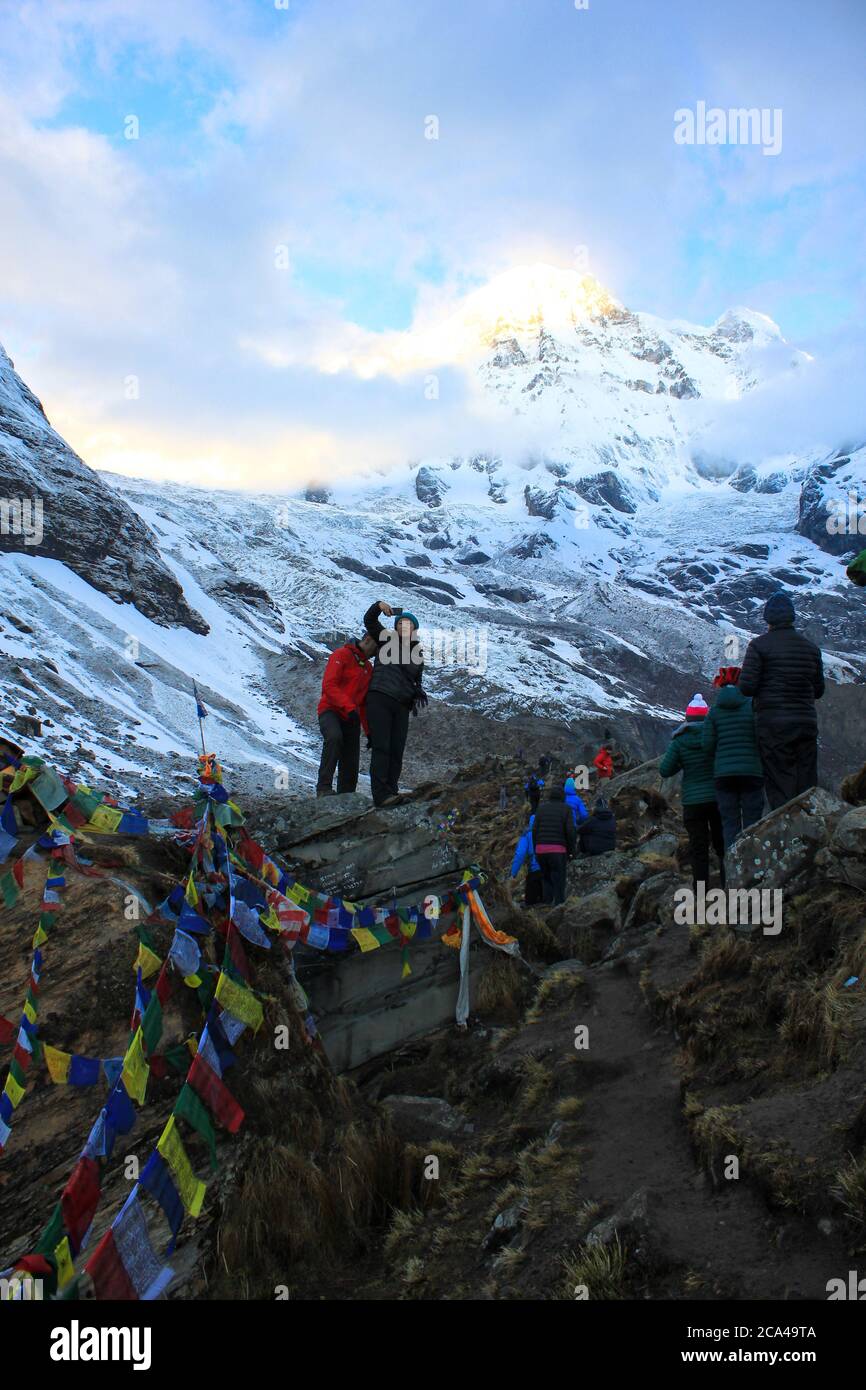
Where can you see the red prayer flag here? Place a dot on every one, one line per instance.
(106, 1269)
(211, 1089)
(79, 1200)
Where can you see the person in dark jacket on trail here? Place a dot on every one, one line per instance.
(784, 675)
(342, 714)
(700, 812)
(395, 692)
(533, 791)
(523, 854)
(729, 735)
(598, 834)
(554, 840)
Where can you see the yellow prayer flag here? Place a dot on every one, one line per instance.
(299, 894)
(29, 1011)
(22, 777)
(191, 894)
(365, 939)
(239, 1001)
(135, 1068)
(65, 1267)
(105, 820)
(146, 961)
(13, 1090)
(271, 920)
(190, 1188)
(58, 1064)
(40, 937)
(193, 981)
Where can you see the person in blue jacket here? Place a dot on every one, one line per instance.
(578, 809)
(524, 855)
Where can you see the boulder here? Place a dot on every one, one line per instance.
(854, 787)
(653, 903)
(584, 924)
(781, 848)
(418, 1119)
(631, 1222)
(845, 859)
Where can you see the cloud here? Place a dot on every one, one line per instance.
(156, 258)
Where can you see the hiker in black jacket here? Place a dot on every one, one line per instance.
(554, 840)
(784, 674)
(394, 692)
(597, 835)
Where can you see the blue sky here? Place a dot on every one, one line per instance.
(303, 128)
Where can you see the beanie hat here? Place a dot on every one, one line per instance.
(778, 610)
(697, 708)
(411, 616)
(727, 675)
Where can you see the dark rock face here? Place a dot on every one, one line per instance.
(607, 488)
(429, 487)
(317, 493)
(513, 594)
(83, 522)
(540, 503)
(508, 353)
(533, 546)
(815, 512)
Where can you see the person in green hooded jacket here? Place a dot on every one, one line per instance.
(700, 810)
(728, 734)
(856, 571)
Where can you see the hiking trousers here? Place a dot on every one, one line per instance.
(704, 828)
(534, 888)
(341, 753)
(388, 722)
(553, 876)
(741, 803)
(789, 757)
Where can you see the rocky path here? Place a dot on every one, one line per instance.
(639, 1162)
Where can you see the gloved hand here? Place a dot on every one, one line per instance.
(369, 744)
(419, 702)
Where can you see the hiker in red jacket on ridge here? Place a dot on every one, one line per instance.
(603, 762)
(342, 714)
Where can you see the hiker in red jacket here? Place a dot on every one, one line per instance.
(342, 714)
(603, 762)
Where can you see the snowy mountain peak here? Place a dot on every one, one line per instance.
(526, 299)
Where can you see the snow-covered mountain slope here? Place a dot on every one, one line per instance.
(589, 578)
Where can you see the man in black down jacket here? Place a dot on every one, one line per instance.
(554, 839)
(598, 834)
(394, 690)
(784, 674)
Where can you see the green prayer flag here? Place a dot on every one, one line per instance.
(9, 889)
(151, 1024)
(190, 1108)
(52, 1235)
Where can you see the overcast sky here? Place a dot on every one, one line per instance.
(304, 128)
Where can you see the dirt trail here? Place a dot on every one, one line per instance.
(637, 1139)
